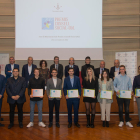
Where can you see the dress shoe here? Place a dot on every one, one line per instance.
(1, 125)
(57, 125)
(50, 124)
(107, 123)
(103, 123)
(20, 125)
(69, 125)
(77, 124)
(10, 125)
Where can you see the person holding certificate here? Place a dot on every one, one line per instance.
(54, 87)
(36, 90)
(136, 90)
(90, 82)
(123, 88)
(72, 92)
(106, 86)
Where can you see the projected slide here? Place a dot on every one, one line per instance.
(73, 27)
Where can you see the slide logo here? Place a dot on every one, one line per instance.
(47, 23)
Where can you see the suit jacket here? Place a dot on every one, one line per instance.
(2, 84)
(109, 86)
(112, 70)
(16, 88)
(136, 83)
(50, 85)
(68, 86)
(8, 68)
(76, 70)
(84, 69)
(60, 70)
(97, 72)
(25, 73)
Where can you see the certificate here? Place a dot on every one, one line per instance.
(137, 92)
(73, 93)
(106, 94)
(88, 92)
(55, 93)
(125, 94)
(37, 92)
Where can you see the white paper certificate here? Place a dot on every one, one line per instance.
(88, 92)
(125, 94)
(137, 92)
(73, 93)
(37, 92)
(106, 94)
(55, 93)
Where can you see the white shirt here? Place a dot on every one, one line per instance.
(12, 67)
(54, 82)
(70, 66)
(29, 69)
(56, 66)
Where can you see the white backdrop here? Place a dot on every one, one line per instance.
(4, 59)
(129, 59)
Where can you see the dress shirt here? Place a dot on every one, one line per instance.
(122, 83)
(117, 69)
(12, 67)
(71, 66)
(72, 81)
(29, 69)
(101, 70)
(54, 82)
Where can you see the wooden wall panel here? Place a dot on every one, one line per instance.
(7, 8)
(117, 7)
(7, 32)
(7, 21)
(121, 20)
(120, 44)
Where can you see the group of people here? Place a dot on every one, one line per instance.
(47, 79)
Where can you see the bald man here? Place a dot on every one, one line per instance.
(114, 71)
(71, 65)
(98, 71)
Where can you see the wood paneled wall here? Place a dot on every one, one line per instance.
(121, 23)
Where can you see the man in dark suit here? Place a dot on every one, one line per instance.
(84, 67)
(54, 84)
(57, 66)
(71, 65)
(2, 89)
(99, 70)
(9, 67)
(72, 82)
(115, 70)
(28, 70)
(15, 89)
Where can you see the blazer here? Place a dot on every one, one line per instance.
(84, 69)
(60, 70)
(25, 73)
(16, 88)
(68, 86)
(97, 71)
(76, 70)
(50, 85)
(8, 68)
(2, 84)
(109, 86)
(136, 83)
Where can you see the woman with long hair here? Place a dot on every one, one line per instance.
(105, 83)
(90, 82)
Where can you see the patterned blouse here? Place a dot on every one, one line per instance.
(45, 74)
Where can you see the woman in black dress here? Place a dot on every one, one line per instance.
(90, 82)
